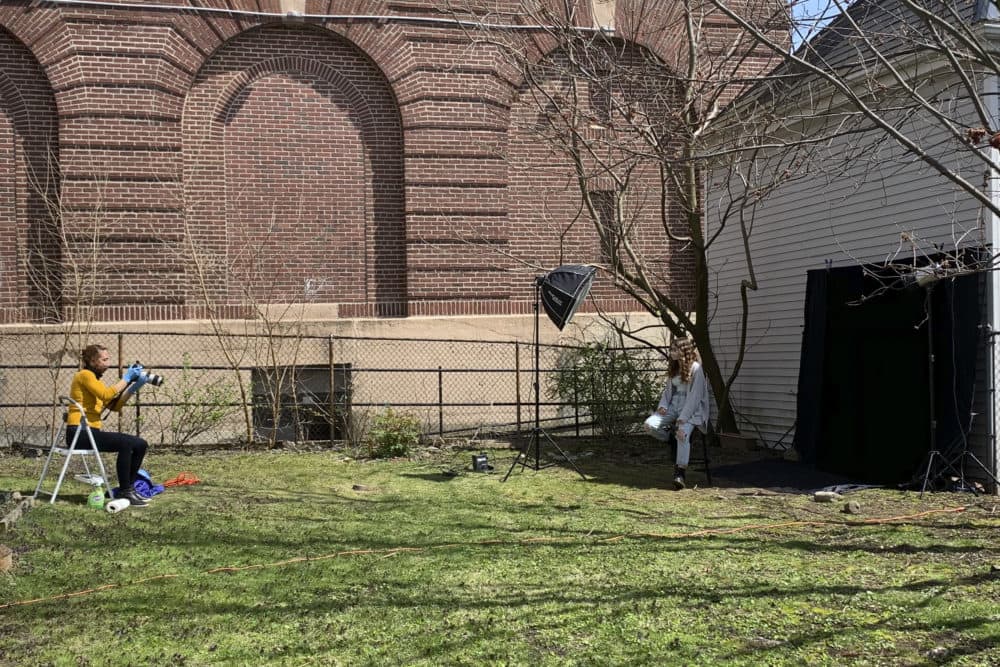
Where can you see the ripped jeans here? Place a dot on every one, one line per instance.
(659, 426)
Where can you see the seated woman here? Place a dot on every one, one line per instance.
(88, 390)
(683, 405)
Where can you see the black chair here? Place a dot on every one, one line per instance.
(699, 451)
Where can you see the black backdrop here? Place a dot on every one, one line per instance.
(863, 398)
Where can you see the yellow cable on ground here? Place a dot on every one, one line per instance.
(532, 540)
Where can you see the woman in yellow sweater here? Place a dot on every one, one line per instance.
(88, 390)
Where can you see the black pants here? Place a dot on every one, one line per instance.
(130, 449)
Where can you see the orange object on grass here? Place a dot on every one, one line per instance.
(182, 479)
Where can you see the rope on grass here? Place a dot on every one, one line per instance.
(388, 553)
(788, 524)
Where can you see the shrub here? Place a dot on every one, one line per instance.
(198, 404)
(615, 385)
(393, 434)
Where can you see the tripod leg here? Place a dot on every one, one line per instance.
(565, 456)
(522, 456)
(982, 466)
(927, 472)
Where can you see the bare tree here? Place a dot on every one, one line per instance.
(918, 76)
(631, 109)
(63, 271)
(269, 334)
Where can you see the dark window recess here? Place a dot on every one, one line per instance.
(600, 102)
(303, 408)
(607, 216)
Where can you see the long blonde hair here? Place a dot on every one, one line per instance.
(684, 365)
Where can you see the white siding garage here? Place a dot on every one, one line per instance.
(833, 216)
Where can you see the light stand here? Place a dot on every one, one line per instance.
(959, 459)
(568, 308)
(934, 452)
(946, 464)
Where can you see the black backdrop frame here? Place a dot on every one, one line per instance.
(866, 406)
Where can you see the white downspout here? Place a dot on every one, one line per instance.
(991, 89)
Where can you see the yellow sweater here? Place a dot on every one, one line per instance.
(92, 394)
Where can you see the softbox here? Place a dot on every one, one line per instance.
(563, 290)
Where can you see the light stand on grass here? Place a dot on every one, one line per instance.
(934, 454)
(561, 292)
(937, 456)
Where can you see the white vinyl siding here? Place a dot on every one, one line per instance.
(846, 219)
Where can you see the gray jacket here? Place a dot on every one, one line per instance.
(696, 408)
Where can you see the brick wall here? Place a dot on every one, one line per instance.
(30, 284)
(215, 161)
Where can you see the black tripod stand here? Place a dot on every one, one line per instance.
(953, 457)
(537, 434)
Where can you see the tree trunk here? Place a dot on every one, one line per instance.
(726, 420)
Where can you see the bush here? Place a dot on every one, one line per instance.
(393, 434)
(616, 386)
(198, 404)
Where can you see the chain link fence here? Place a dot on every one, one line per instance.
(231, 388)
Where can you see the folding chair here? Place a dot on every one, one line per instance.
(84, 451)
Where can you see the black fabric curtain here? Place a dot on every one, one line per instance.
(809, 412)
(864, 402)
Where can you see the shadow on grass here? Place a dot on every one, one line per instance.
(269, 602)
(639, 464)
(444, 476)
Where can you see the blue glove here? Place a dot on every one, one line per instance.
(133, 373)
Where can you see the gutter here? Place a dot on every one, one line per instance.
(300, 16)
(991, 178)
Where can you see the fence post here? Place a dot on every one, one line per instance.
(347, 418)
(576, 400)
(332, 397)
(440, 402)
(517, 384)
(593, 402)
(121, 365)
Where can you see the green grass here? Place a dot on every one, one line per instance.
(545, 569)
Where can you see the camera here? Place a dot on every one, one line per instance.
(150, 378)
(481, 463)
(121, 398)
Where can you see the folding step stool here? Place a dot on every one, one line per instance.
(58, 447)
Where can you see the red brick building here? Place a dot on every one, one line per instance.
(158, 160)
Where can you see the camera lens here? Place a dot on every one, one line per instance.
(152, 378)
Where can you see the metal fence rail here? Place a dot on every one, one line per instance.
(225, 387)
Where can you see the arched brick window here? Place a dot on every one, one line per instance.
(30, 257)
(294, 174)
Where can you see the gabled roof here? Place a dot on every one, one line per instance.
(889, 23)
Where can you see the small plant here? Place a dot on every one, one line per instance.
(198, 406)
(393, 434)
(615, 385)
(357, 422)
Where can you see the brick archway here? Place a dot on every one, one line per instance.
(30, 260)
(567, 234)
(293, 173)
